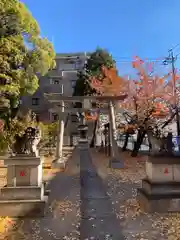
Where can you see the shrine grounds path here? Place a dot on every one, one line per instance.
(90, 201)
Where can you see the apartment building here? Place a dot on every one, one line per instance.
(61, 79)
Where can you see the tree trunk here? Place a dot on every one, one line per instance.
(150, 146)
(94, 134)
(149, 135)
(125, 142)
(137, 144)
(169, 143)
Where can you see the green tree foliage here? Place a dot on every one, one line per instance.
(97, 59)
(24, 55)
(82, 87)
(49, 133)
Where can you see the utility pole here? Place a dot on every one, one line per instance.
(171, 60)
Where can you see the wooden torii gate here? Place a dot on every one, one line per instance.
(58, 100)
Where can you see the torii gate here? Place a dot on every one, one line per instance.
(58, 99)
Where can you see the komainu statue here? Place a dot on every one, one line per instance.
(160, 144)
(27, 144)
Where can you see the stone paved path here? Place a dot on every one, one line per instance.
(98, 221)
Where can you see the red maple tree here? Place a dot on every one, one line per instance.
(147, 98)
(146, 101)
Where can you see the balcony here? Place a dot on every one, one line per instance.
(53, 88)
(70, 75)
(54, 73)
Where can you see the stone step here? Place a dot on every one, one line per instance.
(160, 188)
(161, 203)
(18, 193)
(22, 208)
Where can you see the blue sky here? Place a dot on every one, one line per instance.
(126, 28)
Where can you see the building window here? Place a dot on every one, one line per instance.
(54, 81)
(93, 104)
(54, 117)
(78, 105)
(78, 64)
(74, 118)
(61, 68)
(35, 101)
(71, 61)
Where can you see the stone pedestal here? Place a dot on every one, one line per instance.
(83, 140)
(24, 193)
(83, 130)
(160, 191)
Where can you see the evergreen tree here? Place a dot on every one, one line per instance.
(92, 68)
(24, 55)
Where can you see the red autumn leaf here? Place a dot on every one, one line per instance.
(111, 84)
(148, 90)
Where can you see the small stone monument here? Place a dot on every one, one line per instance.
(160, 191)
(24, 193)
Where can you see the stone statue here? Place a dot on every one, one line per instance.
(27, 144)
(160, 144)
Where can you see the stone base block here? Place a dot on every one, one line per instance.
(160, 188)
(84, 144)
(45, 190)
(23, 159)
(19, 193)
(161, 203)
(22, 208)
(163, 169)
(83, 140)
(116, 164)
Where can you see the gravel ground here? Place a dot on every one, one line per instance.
(122, 188)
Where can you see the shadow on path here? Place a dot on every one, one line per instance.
(98, 221)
